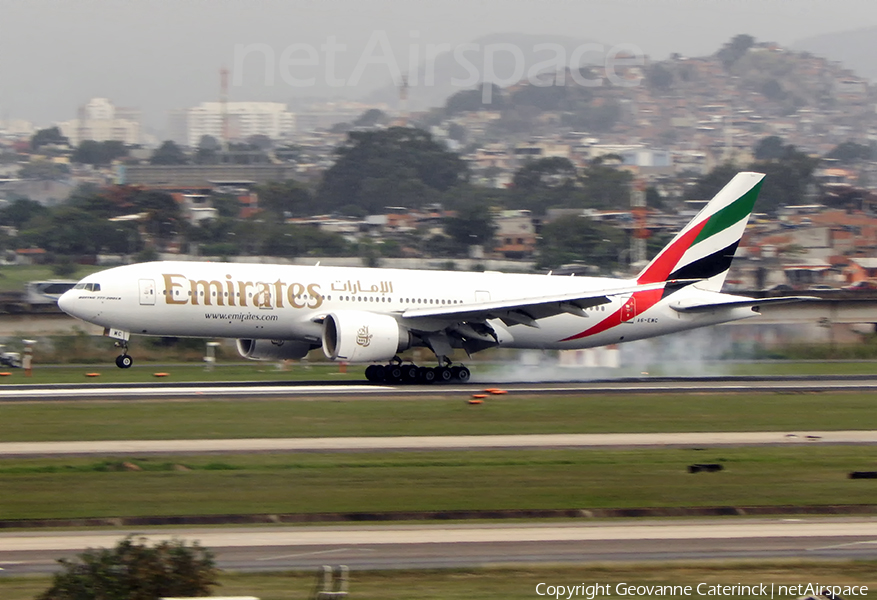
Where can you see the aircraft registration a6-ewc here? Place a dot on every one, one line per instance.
(371, 315)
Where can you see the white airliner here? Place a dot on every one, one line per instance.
(371, 315)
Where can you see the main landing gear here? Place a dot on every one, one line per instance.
(396, 372)
(124, 360)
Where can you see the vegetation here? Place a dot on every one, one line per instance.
(579, 238)
(133, 570)
(90, 152)
(449, 415)
(398, 166)
(49, 136)
(363, 482)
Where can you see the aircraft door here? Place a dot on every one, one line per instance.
(147, 291)
(628, 311)
(481, 296)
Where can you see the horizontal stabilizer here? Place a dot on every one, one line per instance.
(743, 303)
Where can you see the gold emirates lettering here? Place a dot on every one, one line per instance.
(181, 290)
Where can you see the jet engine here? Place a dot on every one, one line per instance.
(272, 349)
(359, 336)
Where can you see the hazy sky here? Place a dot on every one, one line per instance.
(163, 54)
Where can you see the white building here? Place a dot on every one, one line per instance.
(245, 119)
(101, 121)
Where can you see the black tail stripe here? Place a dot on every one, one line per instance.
(708, 266)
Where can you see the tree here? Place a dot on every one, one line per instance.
(734, 50)
(208, 151)
(849, 152)
(90, 152)
(45, 137)
(472, 226)
(545, 173)
(473, 100)
(133, 570)
(261, 142)
(370, 118)
(288, 198)
(659, 77)
(162, 210)
(709, 185)
(606, 187)
(390, 167)
(169, 154)
(770, 148)
(579, 239)
(20, 212)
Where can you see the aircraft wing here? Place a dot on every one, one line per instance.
(710, 306)
(526, 311)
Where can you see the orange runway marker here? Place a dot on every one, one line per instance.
(498, 392)
(476, 396)
(5, 374)
(92, 374)
(476, 401)
(161, 374)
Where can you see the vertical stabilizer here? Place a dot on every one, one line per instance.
(705, 247)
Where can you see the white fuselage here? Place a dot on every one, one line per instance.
(281, 302)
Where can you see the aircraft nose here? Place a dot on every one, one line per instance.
(66, 302)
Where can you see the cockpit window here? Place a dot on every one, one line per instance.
(88, 287)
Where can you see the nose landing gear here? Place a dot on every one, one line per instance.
(124, 360)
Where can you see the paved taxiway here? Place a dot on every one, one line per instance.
(409, 546)
(451, 442)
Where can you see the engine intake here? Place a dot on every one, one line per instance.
(359, 336)
(272, 349)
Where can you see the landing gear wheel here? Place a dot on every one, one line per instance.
(443, 374)
(426, 375)
(374, 373)
(460, 374)
(393, 373)
(410, 373)
(123, 361)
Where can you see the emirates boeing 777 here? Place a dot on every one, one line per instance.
(369, 315)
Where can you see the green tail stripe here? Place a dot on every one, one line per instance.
(730, 215)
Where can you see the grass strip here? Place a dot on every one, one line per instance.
(433, 481)
(520, 582)
(512, 414)
(143, 372)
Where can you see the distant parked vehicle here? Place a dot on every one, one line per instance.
(821, 287)
(10, 359)
(866, 285)
(46, 292)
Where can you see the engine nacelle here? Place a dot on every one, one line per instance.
(272, 349)
(359, 336)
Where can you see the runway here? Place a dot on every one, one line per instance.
(315, 390)
(455, 442)
(454, 545)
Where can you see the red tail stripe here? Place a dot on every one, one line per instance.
(666, 262)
